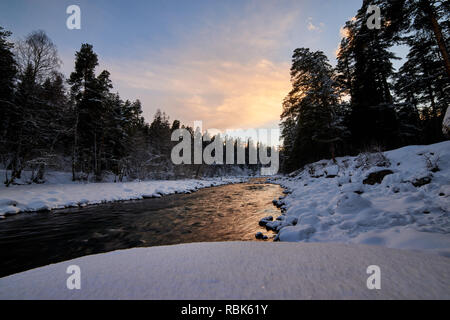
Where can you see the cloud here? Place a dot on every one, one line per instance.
(223, 94)
(313, 27)
(226, 76)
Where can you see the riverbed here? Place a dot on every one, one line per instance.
(225, 213)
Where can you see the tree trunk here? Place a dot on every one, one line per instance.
(429, 10)
(75, 147)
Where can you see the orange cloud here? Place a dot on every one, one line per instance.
(223, 75)
(223, 94)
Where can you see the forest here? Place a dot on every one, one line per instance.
(79, 124)
(364, 104)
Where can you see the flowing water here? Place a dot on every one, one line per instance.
(225, 213)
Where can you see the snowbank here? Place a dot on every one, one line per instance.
(342, 202)
(240, 270)
(446, 123)
(20, 198)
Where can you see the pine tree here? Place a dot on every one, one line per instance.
(365, 68)
(432, 11)
(423, 83)
(160, 143)
(8, 74)
(345, 68)
(424, 79)
(83, 91)
(32, 124)
(22, 133)
(408, 16)
(55, 120)
(310, 124)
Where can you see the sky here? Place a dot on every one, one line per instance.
(224, 62)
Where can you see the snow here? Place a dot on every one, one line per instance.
(21, 198)
(51, 177)
(332, 203)
(341, 225)
(240, 270)
(446, 123)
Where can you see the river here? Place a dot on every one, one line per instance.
(225, 213)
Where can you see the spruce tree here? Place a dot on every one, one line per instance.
(365, 67)
(311, 128)
(83, 94)
(423, 80)
(423, 83)
(8, 73)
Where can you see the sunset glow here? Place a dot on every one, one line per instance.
(226, 64)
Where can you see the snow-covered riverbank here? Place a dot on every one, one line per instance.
(240, 270)
(397, 199)
(20, 198)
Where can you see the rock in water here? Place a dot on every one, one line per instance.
(265, 220)
(259, 235)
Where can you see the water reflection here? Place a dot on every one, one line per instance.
(226, 213)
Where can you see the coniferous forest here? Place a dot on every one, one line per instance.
(79, 124)
(363, 104)
(334, 187)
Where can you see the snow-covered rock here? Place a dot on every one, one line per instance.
(446, 123)
(261, 236)
(240, 270)
(264, 221)
(407, 206)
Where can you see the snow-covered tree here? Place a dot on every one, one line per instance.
(311, 126)
(365, 68)
(8, 73)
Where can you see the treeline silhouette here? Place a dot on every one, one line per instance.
(79, 125)
(363, 103)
